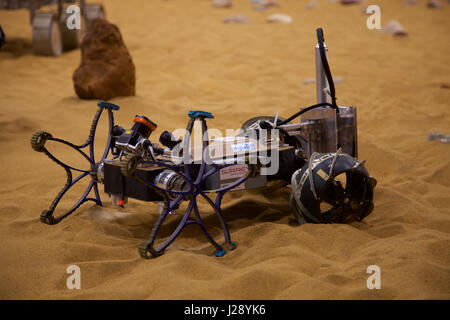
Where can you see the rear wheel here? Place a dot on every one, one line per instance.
(71, 38)
(46, 34)
(94, 11)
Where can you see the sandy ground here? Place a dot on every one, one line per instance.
(186, 58)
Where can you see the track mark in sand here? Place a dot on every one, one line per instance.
(438, 250)
(441, 175)
(388, 231)
(10, 212)
(439, 202)
(102, 215)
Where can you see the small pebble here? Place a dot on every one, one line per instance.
(279, 17)
(311, 5)
(395, 28)
(410, 2)
(309, 81)
(222, 3)
(239, 18)
(436, 136)
(350, 1)
(434, 4)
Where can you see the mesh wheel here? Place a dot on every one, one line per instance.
(46, 34)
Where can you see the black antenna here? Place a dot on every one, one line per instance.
(325, 65)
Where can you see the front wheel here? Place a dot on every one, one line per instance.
(332, 188)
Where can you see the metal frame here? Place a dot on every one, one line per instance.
(194, 183)
(47, 215)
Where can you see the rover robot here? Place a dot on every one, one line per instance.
(314, 151)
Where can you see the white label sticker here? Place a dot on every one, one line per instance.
(244, 146)
(233, 172)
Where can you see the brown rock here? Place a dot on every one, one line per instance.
(350, 1)
(222, 3)
(434, 4)
(106, 69)
(445, 85)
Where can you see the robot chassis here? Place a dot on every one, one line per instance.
(317, 156)
(50, 33)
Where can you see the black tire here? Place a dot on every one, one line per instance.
(71, 39)
(38, 140)
(46, 34)
(94, 11)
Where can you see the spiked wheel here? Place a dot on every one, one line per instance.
(331, 188)
(38, 143)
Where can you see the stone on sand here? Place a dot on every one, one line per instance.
(350, 1)
(279, 17)
(222, 3)
(106, 69)
(239, 18)
(395, 28)
(434, 4)
(410, 2)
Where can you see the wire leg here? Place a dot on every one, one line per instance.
(216, 206)
(201, 224)
(148, 246)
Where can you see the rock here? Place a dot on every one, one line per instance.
(222, 3)
(260, 8)
(106, 69)
(395, 28)
(436, 136)
(270, 3)
(410, 2)
(350, 1)
(262, 5)
(338, 80)
(445, 85)
(311, 5)
(434, 4)
(279, 17)
(239, 18)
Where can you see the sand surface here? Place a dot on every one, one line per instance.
(186, 58)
